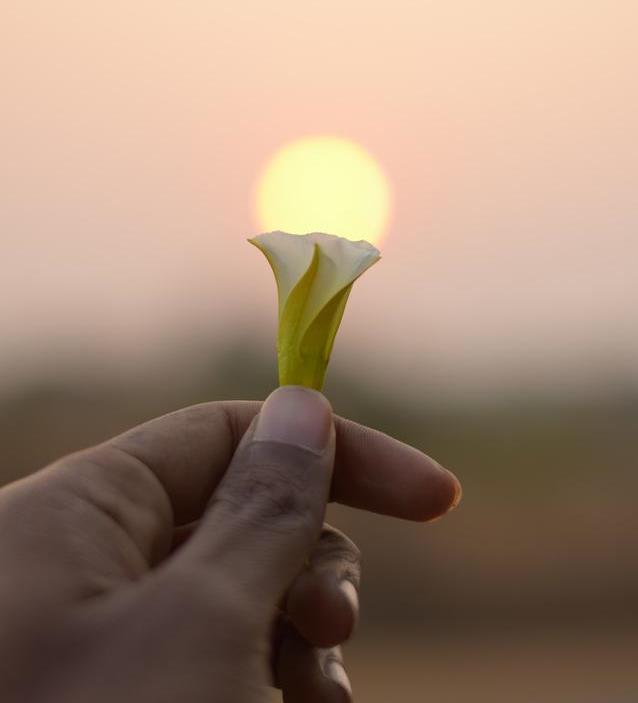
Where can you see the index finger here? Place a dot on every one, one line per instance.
(189, 451)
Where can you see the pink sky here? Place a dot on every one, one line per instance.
(131, 135)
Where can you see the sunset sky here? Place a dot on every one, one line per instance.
(132, 136)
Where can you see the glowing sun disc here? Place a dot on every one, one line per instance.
(324, 184)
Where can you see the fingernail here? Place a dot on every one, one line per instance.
(298, 416)
(350, 594)
(335, 672)
(458, 491)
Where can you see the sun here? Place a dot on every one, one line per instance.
(324, 184)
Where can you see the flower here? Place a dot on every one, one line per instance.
(314, 275)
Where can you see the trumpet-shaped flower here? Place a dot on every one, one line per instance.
(314, 274)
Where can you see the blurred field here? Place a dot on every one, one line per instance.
(527, 593)
(548, 665)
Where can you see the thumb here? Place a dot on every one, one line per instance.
(267, 512)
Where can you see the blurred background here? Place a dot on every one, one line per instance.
(499, 332)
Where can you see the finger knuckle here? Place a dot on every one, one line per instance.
(337, 552)
(267, 496)
(336, 542)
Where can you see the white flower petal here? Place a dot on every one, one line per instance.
(314, 274)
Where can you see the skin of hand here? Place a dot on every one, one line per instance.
(187, 559)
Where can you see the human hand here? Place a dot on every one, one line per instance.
(185, 560)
